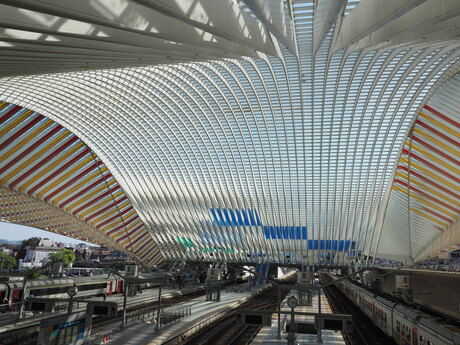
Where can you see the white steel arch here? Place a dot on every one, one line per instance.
(283, 151)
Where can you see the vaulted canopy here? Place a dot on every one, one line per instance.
(293, 131)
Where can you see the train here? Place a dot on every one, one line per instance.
(406, 325)
(11, 291)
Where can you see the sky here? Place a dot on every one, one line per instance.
(15, 232)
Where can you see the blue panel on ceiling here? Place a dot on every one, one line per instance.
(285, 232)
(221, 217)
(267, 232)
(214, 216)
(251, 218)
(278, 232)
(238, 215)
(227, 217)
(245, 217)
(232, 216)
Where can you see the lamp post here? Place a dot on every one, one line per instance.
(292, 302)
(72, 292)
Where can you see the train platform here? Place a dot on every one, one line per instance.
(10, 322)
(202, 314)
(149, 295)
(268, 335)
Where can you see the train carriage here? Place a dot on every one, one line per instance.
(404, 324)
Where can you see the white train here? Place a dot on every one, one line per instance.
(405, 325)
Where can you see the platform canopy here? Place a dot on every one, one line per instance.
(281, 131)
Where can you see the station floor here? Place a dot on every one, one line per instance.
(268, 335)
(202, 311)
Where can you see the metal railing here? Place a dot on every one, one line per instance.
(168, 315)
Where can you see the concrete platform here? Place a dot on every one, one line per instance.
(268, 335)
(203, 313)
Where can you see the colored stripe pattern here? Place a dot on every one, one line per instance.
(428, 173)
(42, 161)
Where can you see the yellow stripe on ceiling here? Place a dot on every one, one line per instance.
(93, 193)
(118, 221)
(40, 153)
(432, 191)
(433, 158)
(423, 201)
(61, 157)
(99, 205)
(109, 213)
(441, 125)
(140, 244)
(133, 237)
(124, 230)
(27, 140)
(434, 176)
(429, 217)
(3, 105)
(439, 143)
(149, 257)
(78, 186)
(15, 122)
(65, 176)
(151, 249)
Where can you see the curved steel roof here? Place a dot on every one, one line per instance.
(287, 153)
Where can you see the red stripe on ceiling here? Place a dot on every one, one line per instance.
(59, 171)
(414, 173)
(30, 149)
(442, 116)
(434, 149)
(119, 201)
(437, 215)
(118, 215)
(432, 166)
(439, 228)
(99, 197)
(10, 113)
(153, 259)
(43, 162)
(157, 252)
(122, 226)
(130, 233)
(65, 186)
(428, 196)
(142, 247)
(136, 240)
(438, 133)
(21, 131)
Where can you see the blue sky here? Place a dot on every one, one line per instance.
(15, 232)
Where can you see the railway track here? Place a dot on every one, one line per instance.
(227, 332)
(364, 331)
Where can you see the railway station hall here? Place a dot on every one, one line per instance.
(230, 172)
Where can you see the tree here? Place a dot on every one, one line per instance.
(31, 242)
(8, 261)
(33, 273)
(65, 256)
